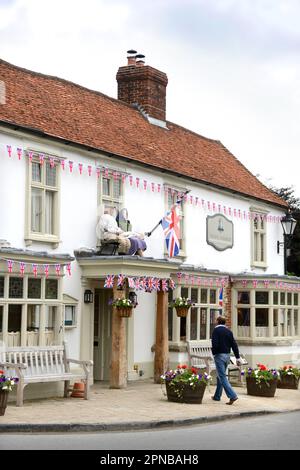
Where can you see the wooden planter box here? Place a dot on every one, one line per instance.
(3, 401)
(184, 393)
(182, 311)
(288, 381)
(263, 389)
(125, 311)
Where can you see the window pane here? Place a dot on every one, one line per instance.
(182, 329)
(49, 212)
(51, 289)
(243, 316)
(214, 313)
(1, 286)
(262, 252)
(203, 320)
(282, 298)
(212, 296)
(1, 318)
(34, 288)
(69, 315)
(289, 298)
(36, 172)
(50, 317)
(193, 332)
(184, 292)
(243, 297)
(204, 296)
(296, 315)
(15, 287)
(275, 298)
(14, 317)
(33, 317)
(261, 315)
(50, 175)
(106, 187)
(194, 296)
(117, 189)
(295, 299)
(36, 209)
(256, 252)
(262, 297)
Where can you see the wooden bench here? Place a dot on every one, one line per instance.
(43, 364)
(201, 357)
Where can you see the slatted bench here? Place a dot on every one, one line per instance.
(43, 364)
(201, 357)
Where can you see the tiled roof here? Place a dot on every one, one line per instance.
(64, 110)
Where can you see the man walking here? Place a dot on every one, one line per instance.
(222, 342)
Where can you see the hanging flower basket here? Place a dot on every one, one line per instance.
(182, 311)
(125, 312)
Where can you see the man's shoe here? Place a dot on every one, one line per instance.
(231, 401)
(215, 399)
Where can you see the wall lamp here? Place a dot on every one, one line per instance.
(288, 226)
(88, 297)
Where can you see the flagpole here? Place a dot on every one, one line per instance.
(148, 234)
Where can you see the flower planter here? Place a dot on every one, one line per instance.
(182, 311)
(263, 389)
(288, 381)
(3, 401)
(125, 312)
(184, 393)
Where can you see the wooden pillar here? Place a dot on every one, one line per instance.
(161, 359)
(118, 366)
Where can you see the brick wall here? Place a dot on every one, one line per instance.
(143, 85)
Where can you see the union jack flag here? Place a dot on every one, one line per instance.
(164, 285)
(121, 279)
(221, 297)
(10, 264)
(172, 284)
(156, 284)
(137, 283)
(22, 268)
(131, 283)
(150, 284)
(109, 281)
(46, 269)
(170, 225)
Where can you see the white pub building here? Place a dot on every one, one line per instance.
(68, 154)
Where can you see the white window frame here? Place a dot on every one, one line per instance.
(42, 236)
(258, 238)
(70, 302)
(199, 305)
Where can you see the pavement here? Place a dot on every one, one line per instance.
(142, 405)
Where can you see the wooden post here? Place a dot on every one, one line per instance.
(161, 358)
(118, 366)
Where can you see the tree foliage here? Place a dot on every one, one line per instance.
(293, 260)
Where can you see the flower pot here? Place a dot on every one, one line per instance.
(288, 381)
(262, 389)
(125, 311)
(184, 393)
(182, 311)
(3, 401)
(78, 390)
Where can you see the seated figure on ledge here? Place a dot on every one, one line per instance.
(114, 226)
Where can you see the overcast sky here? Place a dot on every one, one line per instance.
(233, 65)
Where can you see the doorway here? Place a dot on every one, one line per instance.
(102, 333)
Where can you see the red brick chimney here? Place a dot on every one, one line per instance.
(142, 84)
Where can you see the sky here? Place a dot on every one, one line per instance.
(233, 65)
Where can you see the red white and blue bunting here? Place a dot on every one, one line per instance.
(269, 284)
(37, 269)
(141, 283)
(195, 280)
(139, 183)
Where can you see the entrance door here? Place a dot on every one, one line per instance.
(102, 333)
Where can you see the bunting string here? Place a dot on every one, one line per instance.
(136, 182)
(35, 268)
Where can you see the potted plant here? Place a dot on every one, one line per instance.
(6, 385)
(185, 384)
(182, 306)
(261, 382)
(123, 306)
(289, 377)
